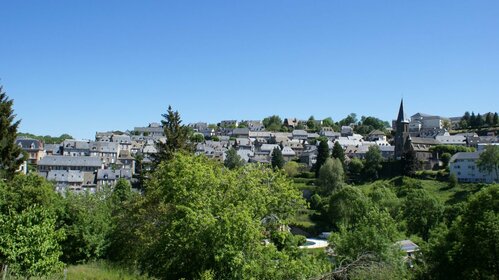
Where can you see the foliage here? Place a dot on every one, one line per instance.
(277, 161)
(272, 123)
(199, 217)
(197, 138)
(385, 199)
(410, 163)
(372, 164)
(468, 249)
(322, 156)
(369, 124)
(232, 159)
(445, 159)
(331, 176)
(101, 270)
(338, 152)
(29, 243)
(422, 212)
(47, 139)
(355, 167)
(176, 137)
(11, 155)
(489, 160)
(87, 224)
(347, 207)
(450, 149)
(350, 119)
(292, 168)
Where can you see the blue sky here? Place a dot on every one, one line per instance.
(83, 66)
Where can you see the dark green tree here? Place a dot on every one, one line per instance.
(410, 163)
(489, 119)
(422, 212)
(232, 159)
(445, 159)
(355, 167)
(322, 156)
(277, 160)
(331, 176)
(311, 123)
(372, 164)
(495, 120)
(272, 123)
(338, 152)
(11, 155)
(176, 137)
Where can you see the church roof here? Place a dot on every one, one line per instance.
(402, 117)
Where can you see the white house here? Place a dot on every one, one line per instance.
(464, 166)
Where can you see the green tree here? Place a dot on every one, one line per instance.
(386, 199)
(352, 118)
(328, 122)
(201, 218)
(489, 119)
(292, 168)
(277, 160)
(272, 123)
(422, 212)
(355, 167)
(232, 159)
(11, 155)
(87, 225)
(453, 182)
(445, 159)
(410, 163)
(197, 138)
(311, 123)
(468, 249)
(331, 176)
(495, 120)
(30, 242)
(489, 160)
(347, 206)
(338, 152)
(373, 162)
(322, 156)
(176, 137)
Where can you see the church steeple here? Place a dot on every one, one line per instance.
(401, 118)
(401, 133)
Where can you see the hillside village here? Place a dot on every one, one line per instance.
(87, 165)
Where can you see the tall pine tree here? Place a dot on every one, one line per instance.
(277, 160)
(176, 137)
(322, 156)
(11, 155)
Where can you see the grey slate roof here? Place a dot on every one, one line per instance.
(70, 176)
(29, 144)
(465, 156)
(70, 161)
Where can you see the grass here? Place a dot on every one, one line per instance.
(100, 270)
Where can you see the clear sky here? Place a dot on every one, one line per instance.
(83, 66)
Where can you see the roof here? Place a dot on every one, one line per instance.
(287, 151)
(241, 131)
(29, 144)
(70, 161)
(408, 246)
(401, 116)
(424, 141)
(70, 176)
(269, 147)
(106, 147)
(377, 132)
(299, 132)
(465, 156)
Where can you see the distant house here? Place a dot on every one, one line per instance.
(464, 166)
(299, 134)
(291, 122)
(81, 163)
(73, 180)
(34, 149)
(459, 140)
(109, 177)
(241, 132)
(288, 153)
(107, 151)
(124, 142)
(229, 123)
(154, 129)
(346, 131)
(75, 148)
(329, 133)
(52, 149)
(376, 135)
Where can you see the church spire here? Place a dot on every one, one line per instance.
(401, 117)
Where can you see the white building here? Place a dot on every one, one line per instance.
(464, 166)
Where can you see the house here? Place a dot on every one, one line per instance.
(288, 153)
(107, 151)
(229, 123)
(459, 140)
(291, 122)
(241, 132)
(75, 148)
(346, 131)
(268, 148)
(153, 129)
(329, 133)
(376, 135)
(428, 121)
(464, 166)
(309, 155)
(34, 149)
(67, 179)
(81, 163)
(243, 144)
(124, 142)
(52, 149)
(299, 134)
(109, 177)
(411, 249)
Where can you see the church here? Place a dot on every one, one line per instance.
(405, 143)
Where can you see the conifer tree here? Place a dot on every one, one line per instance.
(11, 155)
(277, 159)
(322, 156)
(176, 137)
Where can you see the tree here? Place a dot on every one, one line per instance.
(292, 168)
(272, 123)
(496, 119)
(352, 118)
(372, 163)
(311, 123)
(328, 122)
(355, 167)
(422, 212)
(489, 160)
(489, 119)
(347, 207)
(331, 176)
(232, 159)
(338, 152)
(201, 217)
(445, 159)
(472, 122)
(277, 160)
(453, 182)
(468, 249)
(176, 137)
(410, 163)
(11, 155)
(197, 138)
(322, 156)
(30, 242)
